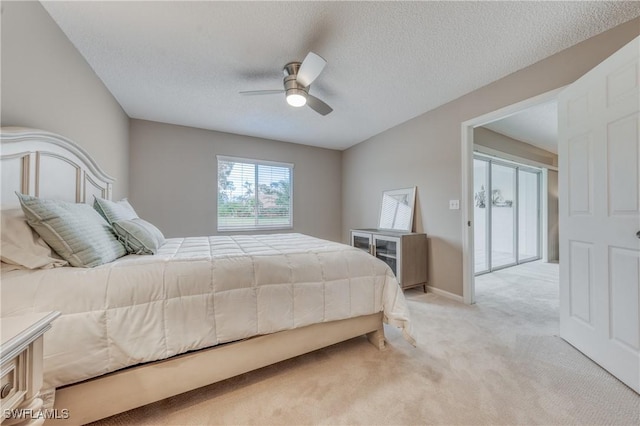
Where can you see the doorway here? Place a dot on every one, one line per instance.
(468, 193)
(598, 147)
(507, 219)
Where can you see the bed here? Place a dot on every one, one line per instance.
(202, 309)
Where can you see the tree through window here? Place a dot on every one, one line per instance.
(254, 194)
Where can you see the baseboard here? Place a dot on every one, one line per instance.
(444, 293)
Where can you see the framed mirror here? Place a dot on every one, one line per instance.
(396, 211)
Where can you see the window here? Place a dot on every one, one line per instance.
(254, 194)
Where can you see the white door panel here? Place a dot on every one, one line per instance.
(580, 168)
(581, 281)
(599, 184)
(622, 154)
(623, 264)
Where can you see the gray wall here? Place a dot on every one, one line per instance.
(174, 178)
(425, 151)
(47, 84)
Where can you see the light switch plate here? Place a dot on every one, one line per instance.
(454, 204)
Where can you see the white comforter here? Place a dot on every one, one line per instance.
(195, 293)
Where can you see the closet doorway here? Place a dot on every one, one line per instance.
(507, 218)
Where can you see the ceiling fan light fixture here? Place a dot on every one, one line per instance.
(296, 98)
(298, 76)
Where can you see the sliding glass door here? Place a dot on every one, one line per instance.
(528, 215)
(506, 214)
(481, 215)
(503, 217)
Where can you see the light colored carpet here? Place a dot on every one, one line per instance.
(498, 362)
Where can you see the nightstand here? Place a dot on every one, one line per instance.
(21, 367)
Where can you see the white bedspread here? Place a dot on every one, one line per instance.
(195, 293)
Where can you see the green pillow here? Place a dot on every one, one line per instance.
(139, 236)
(75, 231)
(114, 211)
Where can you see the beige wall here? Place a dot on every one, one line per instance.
(174, 174)
(47, 84)
(499, 142)
(425, 151)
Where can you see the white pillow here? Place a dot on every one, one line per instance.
(23, 247)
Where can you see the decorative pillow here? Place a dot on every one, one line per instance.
(75, 231)
(114, 211)
(21, 246)
(139, 236)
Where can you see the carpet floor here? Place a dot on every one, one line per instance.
(498, 362)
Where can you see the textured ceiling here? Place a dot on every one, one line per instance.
(185, 62)
(536, 126)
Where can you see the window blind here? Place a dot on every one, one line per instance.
(254, 194)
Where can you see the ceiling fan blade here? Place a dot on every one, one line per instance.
(261, 92)
(318, 106)
(310, 69)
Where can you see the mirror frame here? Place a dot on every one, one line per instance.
(410, 194)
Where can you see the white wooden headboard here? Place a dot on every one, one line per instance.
(47, 165)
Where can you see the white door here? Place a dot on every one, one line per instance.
(599, 157)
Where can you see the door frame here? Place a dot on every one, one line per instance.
(466, 151)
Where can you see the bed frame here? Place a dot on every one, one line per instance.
(47, 165)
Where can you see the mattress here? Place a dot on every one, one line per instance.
(195, 293)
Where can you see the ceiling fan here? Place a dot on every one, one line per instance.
(298, 76)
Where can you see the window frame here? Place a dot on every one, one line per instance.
(256, 163)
